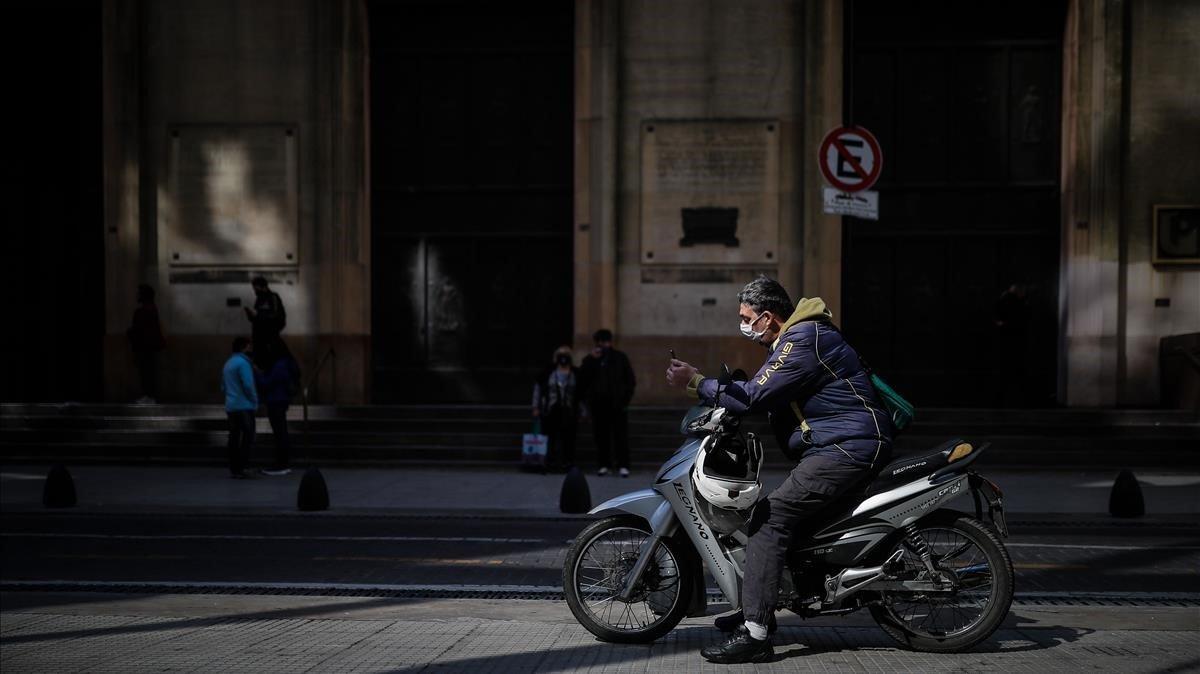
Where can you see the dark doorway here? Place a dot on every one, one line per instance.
(54, 217)
(965, 101)
(471, 160)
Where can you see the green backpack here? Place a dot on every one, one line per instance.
(901, 410)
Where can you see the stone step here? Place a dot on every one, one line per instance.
(519, 413)
(1004, 451)
(467, 433)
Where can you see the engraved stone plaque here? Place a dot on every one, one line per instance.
(710, 192)
(231, 196)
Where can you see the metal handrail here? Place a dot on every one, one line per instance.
(330, 354)
(1191, 358)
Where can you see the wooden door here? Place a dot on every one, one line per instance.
(965, 100)
(471, 123)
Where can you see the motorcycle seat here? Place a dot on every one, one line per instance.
(905, 470)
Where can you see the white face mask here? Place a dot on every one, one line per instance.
(748, 328)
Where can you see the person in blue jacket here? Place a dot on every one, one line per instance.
(825, 413)
(241, 402)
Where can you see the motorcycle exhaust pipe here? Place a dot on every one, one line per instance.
(854, 579)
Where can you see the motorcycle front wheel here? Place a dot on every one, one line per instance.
(594, 574)
(970, 554)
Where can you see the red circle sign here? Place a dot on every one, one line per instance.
(850, 158)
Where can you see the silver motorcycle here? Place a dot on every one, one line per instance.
(933, 579)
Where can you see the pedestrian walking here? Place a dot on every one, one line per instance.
(276, 387)
(241, 402)
(267, 319)
(608, 383)
(146, 340)
(556, 403)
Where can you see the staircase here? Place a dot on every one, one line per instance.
(468, 435)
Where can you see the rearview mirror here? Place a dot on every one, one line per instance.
(726, 375)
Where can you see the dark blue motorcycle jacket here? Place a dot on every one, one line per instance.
(816, 393)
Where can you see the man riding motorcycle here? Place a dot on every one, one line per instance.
(823, 410)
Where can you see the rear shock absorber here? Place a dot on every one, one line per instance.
(917, 541)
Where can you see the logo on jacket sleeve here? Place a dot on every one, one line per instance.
(783, 354)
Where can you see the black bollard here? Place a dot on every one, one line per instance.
(575, 497)
(59, 490)
(313, 494)
(1126, 497)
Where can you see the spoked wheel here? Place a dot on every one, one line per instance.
(594, 574)
(972, 565)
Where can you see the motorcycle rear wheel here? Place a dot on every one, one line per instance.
(594, 571)
(969, 550)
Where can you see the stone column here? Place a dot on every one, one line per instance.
(121, 129)
(343, 222)
(1090, 272)
(596, 123)
(823, 110)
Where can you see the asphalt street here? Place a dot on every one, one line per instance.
(1051, 556)
(197, 574)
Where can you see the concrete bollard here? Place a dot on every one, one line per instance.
(576, 497)
(313, 494)
(1126, 497)
(59, 490)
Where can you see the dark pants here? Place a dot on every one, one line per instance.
(241, 439)
(610, 426)
(814, 483)
(560, 429)
(147, 365)
(277, 414)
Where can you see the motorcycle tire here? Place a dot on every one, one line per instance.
(664, 622)
(998, 603)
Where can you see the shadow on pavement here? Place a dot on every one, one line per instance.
(1189, 666)
(279, 614)
(1030, 639)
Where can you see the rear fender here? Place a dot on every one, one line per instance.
(984, 491)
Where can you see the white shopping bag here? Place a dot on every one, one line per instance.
(533, 449)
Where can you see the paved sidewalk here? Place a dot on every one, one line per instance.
(101, 633)
(491, 491)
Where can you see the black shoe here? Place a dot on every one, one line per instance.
(729, 623)
(740, 647)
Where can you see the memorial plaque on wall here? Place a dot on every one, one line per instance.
(710, 192)
(1176, 234)
(231, 196)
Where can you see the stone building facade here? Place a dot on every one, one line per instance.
(443, 192)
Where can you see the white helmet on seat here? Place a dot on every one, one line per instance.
(727, 477)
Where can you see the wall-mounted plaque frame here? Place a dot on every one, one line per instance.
(710, 192)
(1176, 234)
(232, 195)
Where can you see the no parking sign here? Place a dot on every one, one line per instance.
(851, 161)
(850, 158)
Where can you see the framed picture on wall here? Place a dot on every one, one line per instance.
(1176, 234)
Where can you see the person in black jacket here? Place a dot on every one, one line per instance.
(146, 340)
(556, 403)
(267, 320)
(277, 385)
(608, 383)
(825, 413)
